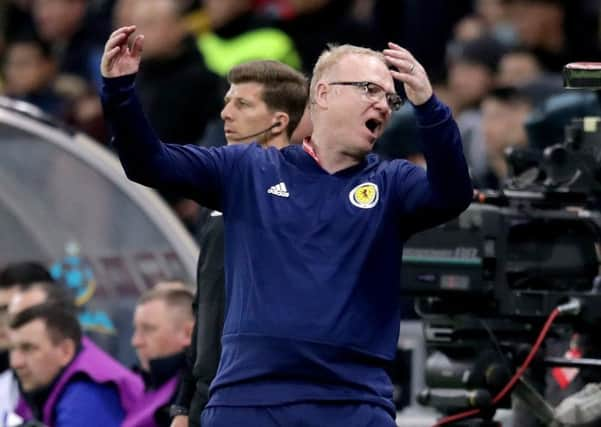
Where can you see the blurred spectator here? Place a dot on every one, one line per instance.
(30, 294)
(10, 277)
(556, 31)
(15, 19)
(470, 28)
(63, 380)
(171, 59)
(472, 66)
(122, 13)
(163, 323)
(29, 72)
(472, 72)
(336, 24)
(518, 67)
(76, 43)
(490, 18)
(239, 34)
(31, 283)
(178, 92)
(504, 113)
(423, 27)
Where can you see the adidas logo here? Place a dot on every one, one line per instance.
(279, 190)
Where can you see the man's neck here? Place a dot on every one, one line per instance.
(278, 142)
(330, 159)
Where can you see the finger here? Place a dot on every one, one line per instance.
(137, 47)
(410, 79)
(404, 64)
(127, 30)
(397, 54)
(417, 89)
(116, 40)
(109, 58)
(398, 51)
(396, 47)
(111, 54)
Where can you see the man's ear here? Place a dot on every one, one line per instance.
(322, 90)
(280, 122)
(187, 330)
(67, 349)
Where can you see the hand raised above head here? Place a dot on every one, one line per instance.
(119, 59)
(407, 70)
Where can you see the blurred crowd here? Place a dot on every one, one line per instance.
(54, 372)
(496, 63)
(493, 61)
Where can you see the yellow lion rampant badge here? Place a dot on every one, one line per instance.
(364, 195)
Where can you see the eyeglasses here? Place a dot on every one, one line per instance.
(375, 92)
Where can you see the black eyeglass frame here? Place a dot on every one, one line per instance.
(394, 100)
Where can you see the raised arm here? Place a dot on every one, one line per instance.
(444, 190)
(191, 171)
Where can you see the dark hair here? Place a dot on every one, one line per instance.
(31, 38)
(284, 88)
(485, 51)
(23, 273)
(60, 323)
(55, 293)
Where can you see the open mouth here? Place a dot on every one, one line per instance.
(373, 125)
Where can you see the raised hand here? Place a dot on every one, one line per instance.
(119, 59)
(407, 70)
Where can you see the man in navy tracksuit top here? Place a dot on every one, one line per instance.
(313, 235)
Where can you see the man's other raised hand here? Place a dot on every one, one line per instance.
(119, 57)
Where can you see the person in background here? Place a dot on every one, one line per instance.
(163, 323)
(74, 40)
(172, 59)
(11, 277)
(518, 67)
(126, 383)
(239, 34)
(29, 73)
(504, 113)
(259, 90)
(62, 380)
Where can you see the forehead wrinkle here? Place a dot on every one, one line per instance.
(359, 67)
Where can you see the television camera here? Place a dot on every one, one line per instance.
(490, 284)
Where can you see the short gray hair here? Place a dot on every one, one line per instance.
(330, 57)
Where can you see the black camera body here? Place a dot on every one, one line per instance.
(485, 283)
(505, 261)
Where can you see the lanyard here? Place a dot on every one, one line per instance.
(310, 150)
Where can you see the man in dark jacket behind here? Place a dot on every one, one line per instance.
(242, 125)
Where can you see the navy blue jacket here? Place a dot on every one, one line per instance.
(82, 398)
(312, 259)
